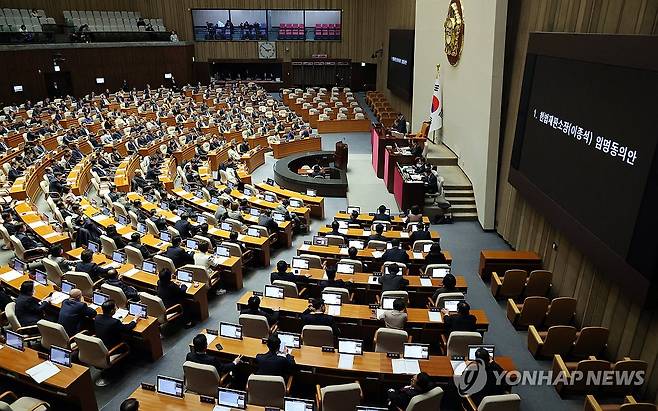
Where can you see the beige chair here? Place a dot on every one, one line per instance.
(162, 262)
(377, 245)
(313, 260)
(262, 231)
(108, 246)
(11, 402)
(510, 286)
(419, 245)
(531, 312)
(120, 209)
(503, 402)
(5, 238)
(267, 390)
(390, 340)
(201, 275)
(152, 228)
(335, 240)
(54, 334)
(27, 255)
(395, 294)
(93, 352)
(318, 335)
(345, 296)
(115, 294)
(134, 221)
(255, 326)
(443, 297)
(29, 333)
(431, 400)
(338, 397)
(629, 404)
(538, 284)
(358, 265)
(134, 256)
(53, 271)
(557, 340)
(289, 289)
(401, 266)
(82, 282)
(561, 312)
(201, 378)
(235, 224)
(458, 342)
(590, 341)
(156, 308)
(173, 232)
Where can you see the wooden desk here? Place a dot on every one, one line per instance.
(391, 159)
(152, 401)
(29, 214)
(27, 186)
(79, 177)
(284, 149)
(255, 141)
(361, 234)
(396, 220)
(125, 173)
(407, 193)
(503, 260)
(316, 204)
(344, 126)
(255, 159)
(71, 385)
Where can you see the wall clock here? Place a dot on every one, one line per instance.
(454, 32)
(266, 50)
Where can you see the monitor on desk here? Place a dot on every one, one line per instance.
(473, 348)
(351, 209)
(201, 219)
(300, 263)
(184, 276)
(165, 236)
(119, 257)
(99, 298)
(358, 244)
(229, 330)
(142, 229)
(94, 247)
(137, 309)
(269, 198)
(222, 251)
(41, 277)
(149, 266)
(19, 265)
(214, 200)
(320, 240)
(14, 340)
(170, 386)
(332, 298)
(297, 404)
(345, 268)
(254, 212)
(427, 247)
(416, 351)
(274, 291)
(290, 340)
(387, 303)
(253, 232)
(226, 226)
(164, 206)
(349, 346)
(60, 356)
(440, 272)
(451, 305)
(270, 181)
(295, 203)
(233, 399)
(191, 244)
(311, 193)
(122, 219)
(248, 192)
(67, 286)
(278, 217)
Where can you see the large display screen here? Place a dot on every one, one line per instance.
(401, 63)
(584, 151)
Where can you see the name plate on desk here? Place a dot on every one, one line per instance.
(392, 355)
(328, 349)
(212, 331)
(206, 399)
(148, 387)
(257, 293)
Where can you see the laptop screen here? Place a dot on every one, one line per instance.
(387, 303)
(15, 340)
(191, 244)
(269, 198)
(247, 191)
(229, 330)
(295, 203)
(60, 356)
(254, 212)
(358, 244)
(67, 287)
(137, 309)
(332, 298)
(300, 263)
(270, 181)
(440, 272)
(149, 267)
(427, 247)
(170, 386)
(451, 305)
(311, 193)
(253, 232)
(231, 398)
(351, 209)
(118, 257)
(297, 404)
(416, 351)
(347, 346)
(94, 247)
(290, 340)
(344, 268)
(184, 276)
(41, 277)
(273, 291)
(122, 219)
(226, 226)
(99, 298)
(165, 236)
(141, 228)
(473, 348)
(320, 240)
(278, 217)
(201, 219)
(222, 251)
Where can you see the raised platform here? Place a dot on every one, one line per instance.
(285, 174)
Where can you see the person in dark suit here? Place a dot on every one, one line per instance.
(331, 281)
(431, 184)
(381, 215)
(179, 256)
(86, 265)
(462, 321)
(29, 310)
(392, 281)
(271, 363)
(435, 256)
(183, 226)
(111, 231)
(253, 308)
(9, 223)
(400, 124)
(395, 253)
(4, 299)
(172, 294)
(283, 274)
(135, 242)
(108, 328)
(335, 226)
(201, 356)
(448, 285)
(315, 314)
(399, 399)
(73, 312)
(266, 220)
(26, 239)
(422, 233)
(492, 370)
(113, 279)
(378, 235)
(416, 149)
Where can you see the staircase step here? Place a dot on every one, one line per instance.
(458, 192)
(460, 208)
(464, 216)
(460, 200)
(442, 161)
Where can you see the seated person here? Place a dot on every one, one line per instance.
(283, 274)
(315, 314)
(378, 235)
(422, 233)
(108, 328)
(253, 308)
(493, 371)
(435, 256)
(335, 226)
(111, 231)
(396, 253)
(113, 279)
(86, 265)
(9, 223)
(430, 183)
(414, 215)
(381, 215)
(203, 231)
(397, 317)
(400, 399)
(28, 241)
(233, 238)
(73, 312)
(271, 363)
(171, 293)
(135, 242)
(392, 281)
(29, 309)
(4, 299)
(179, 256)
(200, 355)
(129, 404)
(56, 253)
(184, 226)
(330, 271)
(462, 321)
(265, 219)
(354, 218)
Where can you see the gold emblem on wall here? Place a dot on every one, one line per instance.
(454, 32)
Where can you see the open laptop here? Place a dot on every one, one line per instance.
(67, 286)
(278, 217)
(222, 251)
(297, 404)
(295, 203)
(440, 272)
(184, 276)
(226, 226)
(253, 232)
(350, 209)
(201, 219)
(149, 266)
(123, 220)
(94, 247)
(119, 257)
(165, 236)
(170, 386)
(311, 193)
(41, 277)
(274, 291)
(142, 229)
(320, 240)
(137, 309)
(192, 244)
(269, 198)
(270, 182)
(248, 192)
(233, 399)
(415, 351)
(14, 340)
(60, 356)
(473, 348)
(254, 212)
(290, 340)
(19, 265)
(229, 330)
(332, 298)
(344, 268)
(451, 305)
(387, 303)
(349, 346)
(358, 244)
(300, 263)
(99, 298)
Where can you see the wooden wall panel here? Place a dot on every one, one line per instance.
(633, 330)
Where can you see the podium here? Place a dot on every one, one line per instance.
(341, 155)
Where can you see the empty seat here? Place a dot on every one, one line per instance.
(93, 352)
(531, 312)
(572, 385)
(390, 340)
(560, 312)
(538, 283)
(339, 397)
(254, 326)
(201, 378)
(318, 335)
(590, 341)
(511, 285)
(557, 340)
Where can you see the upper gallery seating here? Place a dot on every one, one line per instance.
(11, 20)
(103, 21)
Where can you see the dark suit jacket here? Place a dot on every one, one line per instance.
(435, 259)
(71, 315)
(397, 255)
(382, 217)
(171, 294)
(183, 227)
(130, 292)
(271, 316)
(317, 319)
(179, 256)
(269, 223)
(208, 359)
(29, 310)
(146, 254)
(28, 242)
(377, 237)
(392, 282)
(457, 322)
(110, 330)
(273, 364)
(119, 240)
(94, 270)
(420, 235)
(287, 276)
